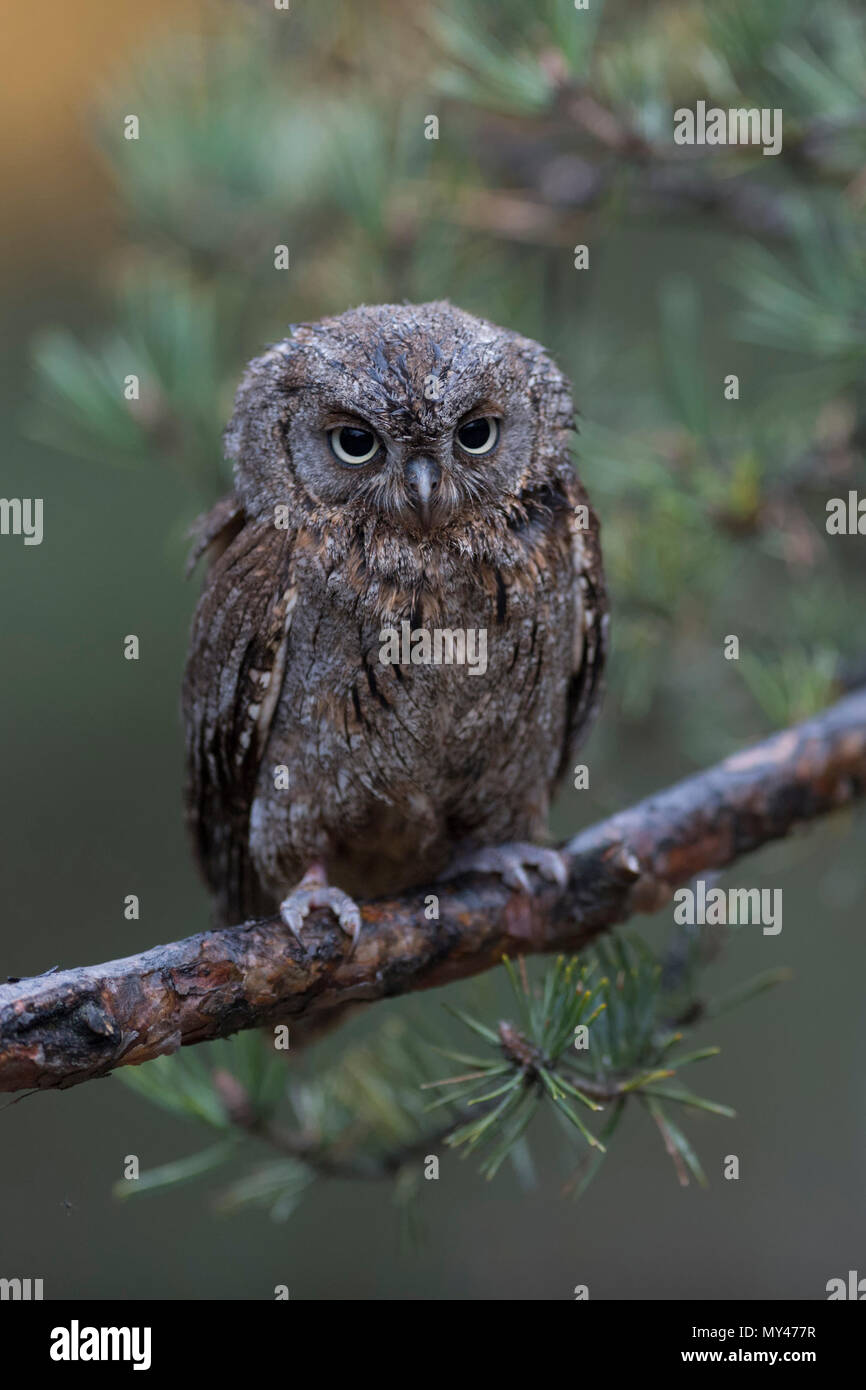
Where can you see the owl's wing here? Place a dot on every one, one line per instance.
(234, 673)
(589, 650)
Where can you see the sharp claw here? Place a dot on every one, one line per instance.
(350, 921)
(293, 916)
(312, 893)
(515, 876)
(511, 862)
(553, 867)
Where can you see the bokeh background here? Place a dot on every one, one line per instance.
(306, 127)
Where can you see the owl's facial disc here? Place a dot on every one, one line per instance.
(419, 484)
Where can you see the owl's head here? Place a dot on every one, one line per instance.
(418, 417)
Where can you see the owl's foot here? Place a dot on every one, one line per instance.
(511, 862)
(314, 890)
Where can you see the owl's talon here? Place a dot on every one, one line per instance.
(350, 921)
(510, 862)
(553, 866)
(313, 891)
(514, 875)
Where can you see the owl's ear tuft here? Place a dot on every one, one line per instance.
(254, 440)
(265, 385)
(550, 392)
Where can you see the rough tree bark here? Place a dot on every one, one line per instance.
(59, 1029)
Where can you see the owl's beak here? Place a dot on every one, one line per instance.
(423, 476)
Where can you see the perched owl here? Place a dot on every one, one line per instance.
(401, 637)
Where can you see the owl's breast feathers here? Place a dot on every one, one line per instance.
(390, 768)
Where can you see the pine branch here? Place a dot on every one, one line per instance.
(319, 1157)
(59, 1029)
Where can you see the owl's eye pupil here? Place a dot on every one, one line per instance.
(356, 442)
(353, 445)
(478, 436)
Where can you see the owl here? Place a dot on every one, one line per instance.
(400, 640)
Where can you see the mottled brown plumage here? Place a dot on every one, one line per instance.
(392, 770)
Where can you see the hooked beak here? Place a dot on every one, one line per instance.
(423, 476)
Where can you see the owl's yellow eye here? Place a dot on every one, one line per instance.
(479, 436)
(352, 445)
